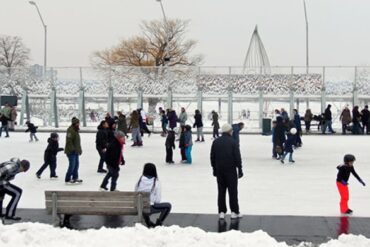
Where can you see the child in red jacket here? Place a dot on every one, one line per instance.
(344, 171)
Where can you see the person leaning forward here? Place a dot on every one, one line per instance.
(227, 168)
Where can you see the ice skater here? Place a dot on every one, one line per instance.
(33, 130)
(188, 144)
(288, 145)
(50, 156)
(149, 182)
(344, 171)
(8, 170)
(170, 144)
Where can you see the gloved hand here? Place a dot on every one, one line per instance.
(123, 162)
(240, 173)
(363, 183)
(214, 173)
(343, 182)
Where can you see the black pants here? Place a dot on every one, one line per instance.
(169, 154)
(144, 129)
(102, 158)
(215, 132)
(228, 181)
(183, 155)
(15, 193)
(163, 208)
(53, 167)
(113, 172)
(308, 125)
(365, 125)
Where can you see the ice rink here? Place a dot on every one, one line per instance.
(267, 188)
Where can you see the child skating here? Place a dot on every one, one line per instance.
(288, 146)
(32, 129)
(344, 171)
(50, 156)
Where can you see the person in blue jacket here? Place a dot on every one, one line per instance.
(236, 131)
(298, 125)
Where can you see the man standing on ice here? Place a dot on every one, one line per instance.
(73, 151)
(8, 170)
(227, 168)
(344, 171)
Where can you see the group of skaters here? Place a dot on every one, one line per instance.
(355, 121)
(286, 135)
(8, 116)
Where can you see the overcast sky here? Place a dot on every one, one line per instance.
(339, 29)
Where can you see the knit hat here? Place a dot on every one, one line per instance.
(293, 131)
(226, 128)
(75, 120)
(54, 135)
(25, 164)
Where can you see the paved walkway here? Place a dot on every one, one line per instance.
(291, 229)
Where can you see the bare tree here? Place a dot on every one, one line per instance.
(13, 53)
(158, 42)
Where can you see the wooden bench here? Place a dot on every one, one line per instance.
(69, 203)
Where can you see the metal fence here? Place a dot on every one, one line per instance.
(65, 92)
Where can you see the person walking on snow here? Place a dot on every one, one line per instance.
(344, 171)
(32, 129)
(199, 125)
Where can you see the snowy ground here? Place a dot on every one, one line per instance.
(40, 235)
(268, 187)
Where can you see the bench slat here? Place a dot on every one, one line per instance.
(93, 199)
(98, 194)
(131, 204)
(95, 211)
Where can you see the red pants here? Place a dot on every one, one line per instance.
(344, 196)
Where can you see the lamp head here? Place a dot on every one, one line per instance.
(32, 2)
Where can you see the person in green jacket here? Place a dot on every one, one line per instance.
(73, 151)
(122, 123)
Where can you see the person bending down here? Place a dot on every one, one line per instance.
(149, 182)
(8, 170)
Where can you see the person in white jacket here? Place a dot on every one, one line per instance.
(149, 182)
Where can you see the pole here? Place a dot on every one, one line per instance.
(305, 15)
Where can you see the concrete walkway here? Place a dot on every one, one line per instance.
(290, 229)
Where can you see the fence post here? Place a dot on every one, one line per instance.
(25, 107)
(260, 108)
(230, 106)
(323, 91)
(355, 90)
(200, 99)
(140, 98)
(53, 102)
(81, 102)
(169, 98)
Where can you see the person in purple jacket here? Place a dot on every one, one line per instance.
(172, 118)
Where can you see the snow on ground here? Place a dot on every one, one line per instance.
(40, 235)
(267, 188)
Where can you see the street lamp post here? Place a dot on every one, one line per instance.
(167, 55)
(45, 32)
(305, 15)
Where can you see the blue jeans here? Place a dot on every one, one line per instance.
(188, 154)
(74, 163)
(326, 125)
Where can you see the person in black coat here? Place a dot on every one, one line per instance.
(114, 158)
(365, 119)
(327, 120)
(182, 144)
(227, 168)
(279, 135)
(50, 156)
(170, 144)
(4, 125)
(199, 125)
(32, 129)
(356, 119)
(102, 139)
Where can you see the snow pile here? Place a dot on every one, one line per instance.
(39, 235)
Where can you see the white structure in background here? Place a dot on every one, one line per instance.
(256, 60)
